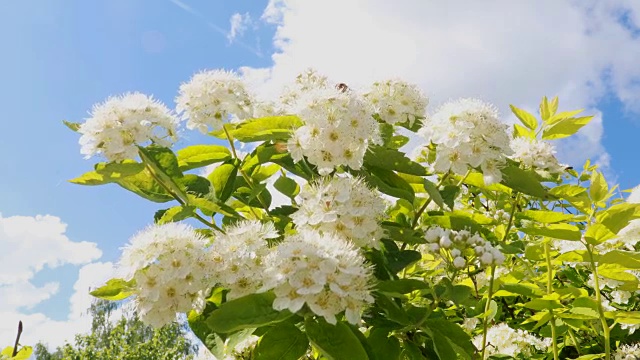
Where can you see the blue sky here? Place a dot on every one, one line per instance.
(59, 59)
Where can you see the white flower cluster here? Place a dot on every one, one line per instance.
(627, 352)
(118, 125)
(484, 277)
(338, 127)
(238, 256)
(396, 101)
(169, 265)
(467, 133)
(323, 271)
(346, 206)
(634, 197)
(503, 340)
(457, 246)
(538, 155)
(212, 97)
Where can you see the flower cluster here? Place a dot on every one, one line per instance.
(538, 155)
(503, 340)
(118, 125)
(211, 97)
(238, 254)
(338, 127)
(456, 247)
(342, 205)
(169, 265)
(627, 352)
(467, 133)
(323, 271)
(396, 101)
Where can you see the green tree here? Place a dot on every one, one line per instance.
(128, 338)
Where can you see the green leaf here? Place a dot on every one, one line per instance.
(251, 311)
(388, 182)
(434, 193)
(556, 231)
(72, 125)
(336, 342)
(392, 159)
(197, 156)
(618, 216)
(115, 289)
(106, 173)
(401, 286)
(526, 118)
(521, 131)
(524, 289)
(543, 304)
(195, 185)
(553, 107)
(23, 354)
(627, 260)
(563, 115)
(565, 128)
(163, 164)
(282, 342)
(525, 181)
(174, 214)
(223, 179)
(597, 234)
(263, 129)
(545, 217)
(443, 347)
(452, 333)
(287, 186)
(545, 112)
(388, 347)
(262, 172)
(144, 185)
(598, 188)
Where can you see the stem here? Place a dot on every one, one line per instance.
(15, 346)
(547, 253)
(424, 206)
(244, 175)
(605, 326)
(575, 342)
(487, 307)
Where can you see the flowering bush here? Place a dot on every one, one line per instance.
(328, 241)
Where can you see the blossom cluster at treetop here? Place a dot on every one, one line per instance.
(479, 244)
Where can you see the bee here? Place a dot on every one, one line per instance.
(342, 87)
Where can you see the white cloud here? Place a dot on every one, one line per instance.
(501, 51)
(239, 23)
(29, 246)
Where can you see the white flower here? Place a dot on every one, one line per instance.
(396, 101)
(620, 296)
(501, 339)
(119, 124)
(627, 352)
(338, 125)
(238, 256)
(467, 133)
(212, 97)
(459, 262)
(169, 265)
(346, 206)
(469, 324)
(538, 155)
(323, 271)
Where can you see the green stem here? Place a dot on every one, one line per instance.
(487, 307)
(575, 342)
(246, 177)
(424, 206)
(547, 253)
(605, 326)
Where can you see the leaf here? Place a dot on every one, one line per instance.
(196, 156)
(623, 259)
(521, 131)
(282, 342)
(388, 182)
(401, 286)
(162, 163)
(72, 125)
(525, 181)
(618, 216)
(543, 304)
(458, 338)
(146, 186)
(524, 289)
(23, 354)
(563, 115)
(223, 179)
(262, 172)
(336, 342)
(565, 128)
(443, 347)
(545, 112)
(553, 107)
(597, 234)
(434, 193)
(263, 129)
(546, 217)
(526, 118)
(384, 345)
(174, 214)
(555, 231)
(392, 159)
(287, 186)
(114, 289)
(251, 311)
(106, 173)
(598, 188)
